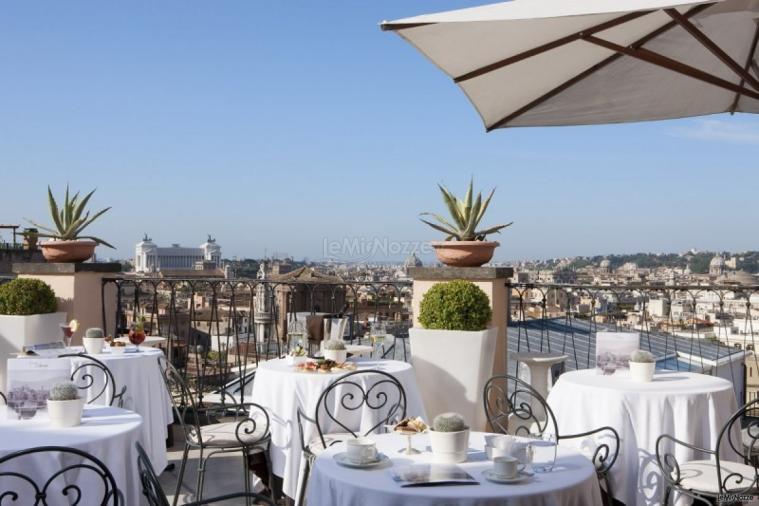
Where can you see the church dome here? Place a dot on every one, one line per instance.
(605, 263)
(717, 261)
(412, 261)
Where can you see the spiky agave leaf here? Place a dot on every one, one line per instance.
(440, 219)
(492, 230)
(452, 204)
(54, 209)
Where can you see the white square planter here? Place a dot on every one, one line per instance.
(451, 368)
(19, 331)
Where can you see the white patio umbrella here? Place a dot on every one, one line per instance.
(579, 62)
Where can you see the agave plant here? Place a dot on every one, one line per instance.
(70, 219)
(466, 215)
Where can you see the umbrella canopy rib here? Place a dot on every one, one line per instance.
(713, 48)
(579, 77)
(747, 67)
(550, 45)
(674, 65)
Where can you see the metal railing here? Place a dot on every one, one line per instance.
(218, 328)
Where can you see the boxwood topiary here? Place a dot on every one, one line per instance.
(455, 305)
(25, 296)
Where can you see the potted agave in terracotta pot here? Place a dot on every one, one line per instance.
(66, 243)
(465, 244)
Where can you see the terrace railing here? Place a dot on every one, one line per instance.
(218, 329)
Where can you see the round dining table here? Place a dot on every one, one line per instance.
(282, 390)
(571, 482)
(689, 406)
(146, 395)
(108, 433)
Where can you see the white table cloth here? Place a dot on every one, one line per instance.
(108, 433)
(688, 406)
(572, 482)
(146, 395)
(282, 391)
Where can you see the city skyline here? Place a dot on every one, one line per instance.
(191, 121)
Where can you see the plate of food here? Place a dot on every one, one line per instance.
(324, 366)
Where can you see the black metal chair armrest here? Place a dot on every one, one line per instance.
(604, 457)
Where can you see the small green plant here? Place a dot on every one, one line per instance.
(70, 219)
(63, 392)
(449, 422)
(455, 305)
(94, 333)
(333, 345)
(642, 357)
(466, 215)
(25, 296)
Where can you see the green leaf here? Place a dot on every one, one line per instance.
(450, 202)
(492, 230)
(80, 207)
(86, 222)
(485, 205)
(440, 219)
(441, 228)
(97, 240)
(67, 207)
(54, 209)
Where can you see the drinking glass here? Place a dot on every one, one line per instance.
(377, 334)
(543, 449)
(295, 332)
(67, 334)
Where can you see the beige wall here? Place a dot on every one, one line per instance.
(79, 295)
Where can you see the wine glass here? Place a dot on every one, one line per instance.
(136, 337)
(295, 332)
(377, 333)
(543, 449)
(68, 333)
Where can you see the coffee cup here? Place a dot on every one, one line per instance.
(502, 441)
(493, 452)
(361, 449)
(506, 467)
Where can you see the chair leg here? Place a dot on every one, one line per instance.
(667, 492)
(609, 497)
(201, 477)
(181, 474)
(267, 456)
(246, 472)
(305, 470)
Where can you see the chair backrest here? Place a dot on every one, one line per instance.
(151, 487)
(3, 398)
(65, 485)
(182, 399)
(514, 407)
(747, 447)
(93, 375)
(372, 390)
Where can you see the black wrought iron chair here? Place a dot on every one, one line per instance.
(151, 487)
(247, 432)
(3, 398)
(64, 485)
(513, 407)
(94, 375)
(381, 392)
(707, 478)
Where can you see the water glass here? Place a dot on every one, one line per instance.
(295, 333)
(543, 452)
(377, 332)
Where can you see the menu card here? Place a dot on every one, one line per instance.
(425, 475)
(30, 380)
(613, 350)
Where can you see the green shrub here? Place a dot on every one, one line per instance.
(27, 296)
(455, 305)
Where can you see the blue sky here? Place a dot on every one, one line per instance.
(277, 125)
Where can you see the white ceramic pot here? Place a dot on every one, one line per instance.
(93, 345)
(642, 371)
(460, 363)
(65, 413)
(449, 447)
(293, 360)
(338, 356)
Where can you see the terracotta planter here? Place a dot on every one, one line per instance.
(67, 251)
(464, 253)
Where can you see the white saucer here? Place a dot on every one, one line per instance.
(343, 459)
(497, 478)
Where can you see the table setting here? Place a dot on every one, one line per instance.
(495, 469)
(283, 388)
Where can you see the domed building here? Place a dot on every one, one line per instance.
(605, 266)
(411, 261)
(717, 266)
